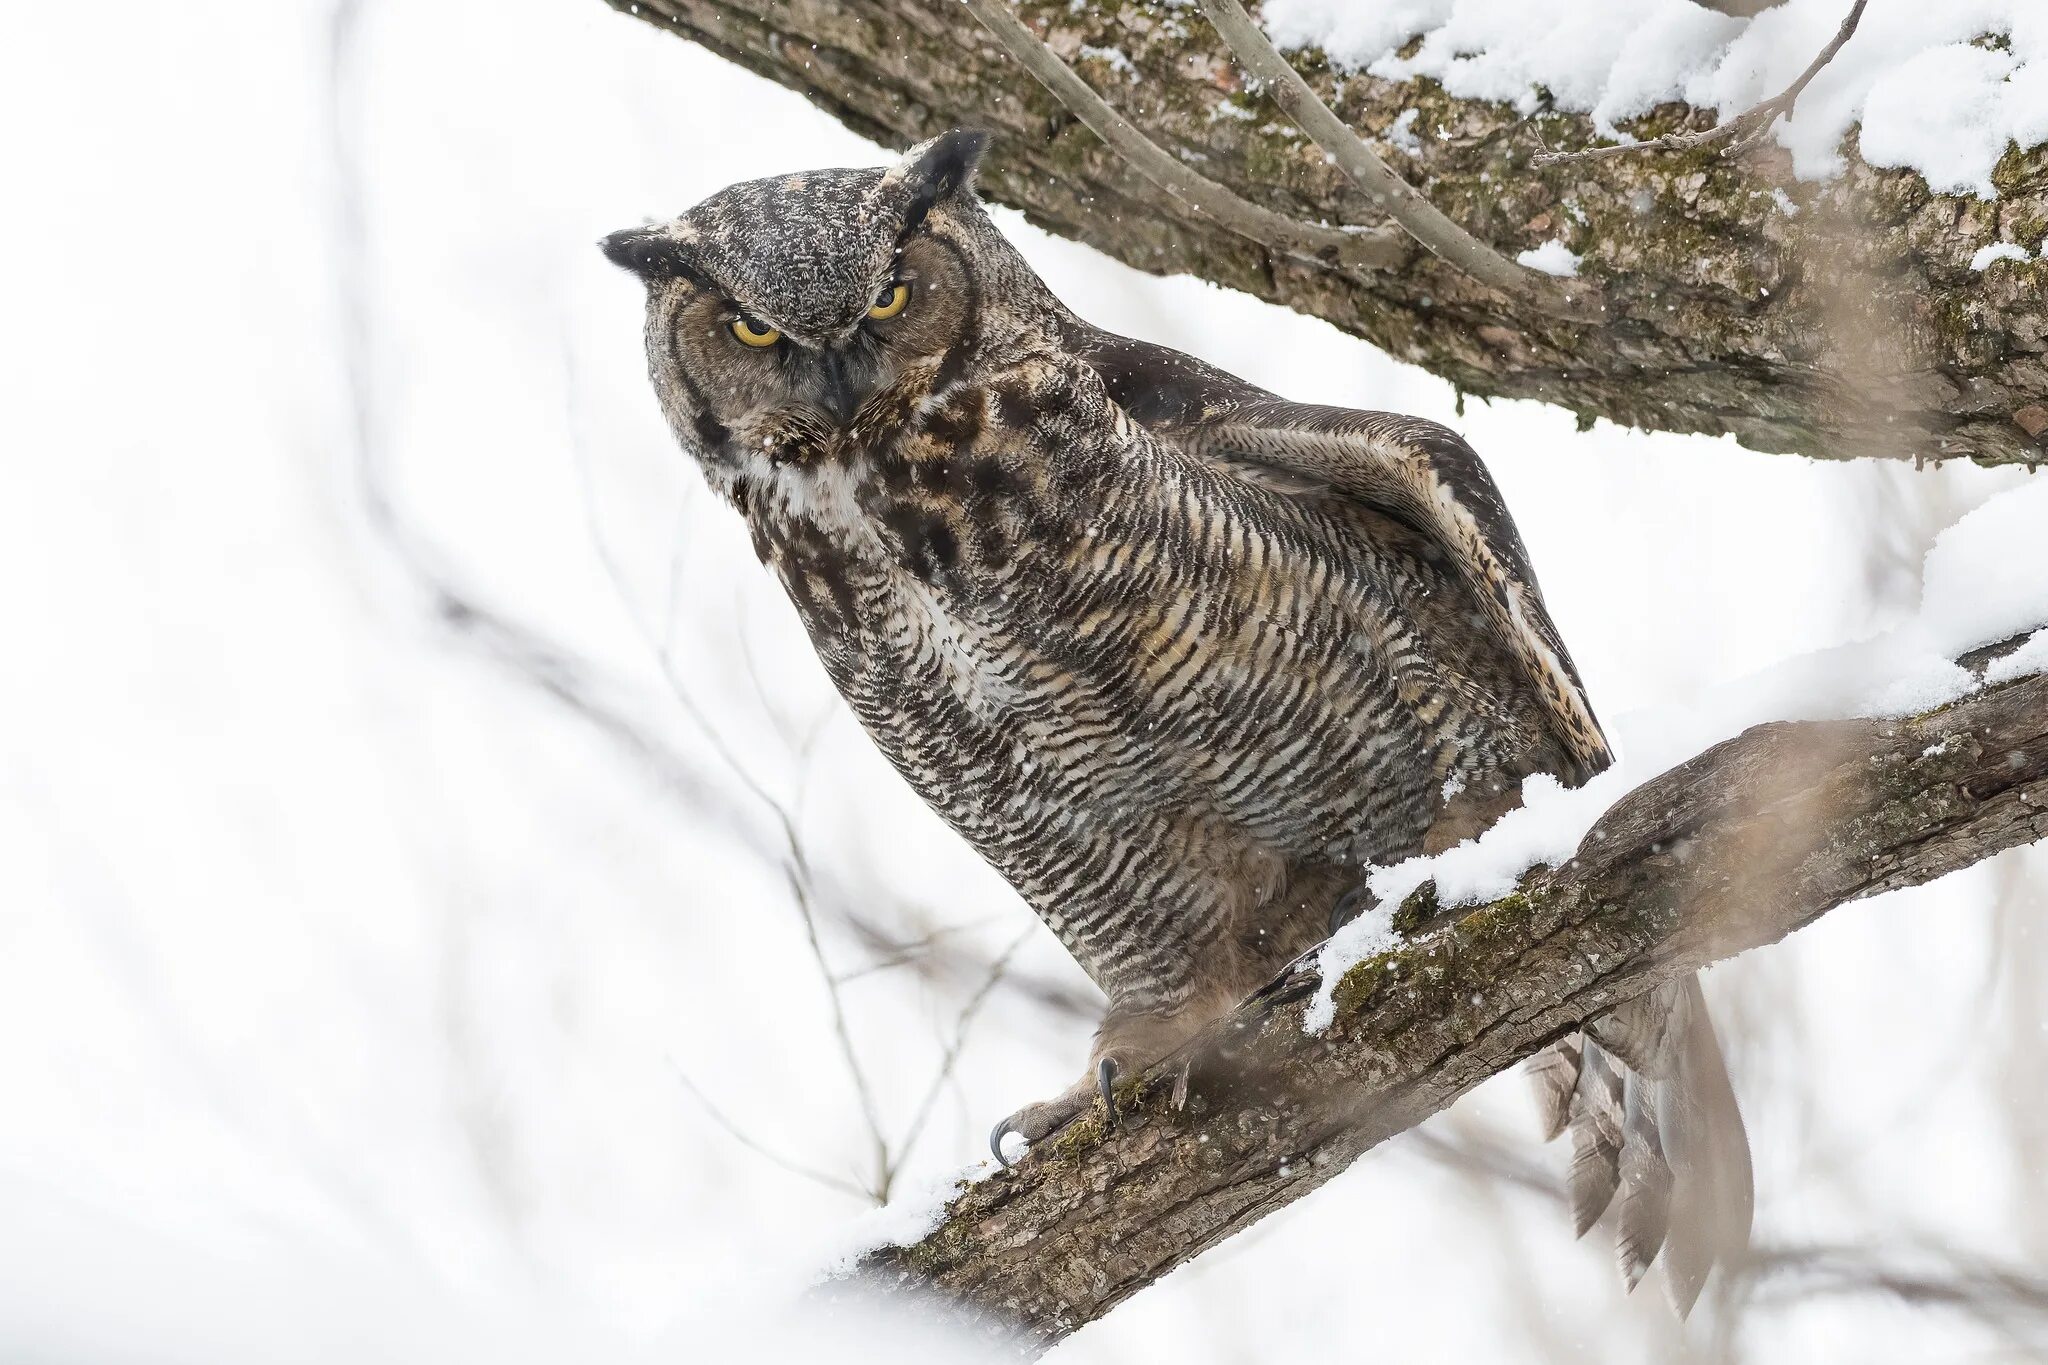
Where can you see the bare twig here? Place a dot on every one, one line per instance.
(915, 950)
(792, 861)
(951, 1057)
(1995, 1295)
(1483, 1159)
(1365, 249)
(739, 1135)
(1403, 203)
(1743, 131)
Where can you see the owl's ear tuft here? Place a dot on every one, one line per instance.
(933, 170)
(648, 252)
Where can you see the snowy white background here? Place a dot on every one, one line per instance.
(393, 735)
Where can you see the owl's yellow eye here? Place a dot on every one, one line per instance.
(753, 335)
(890, 301)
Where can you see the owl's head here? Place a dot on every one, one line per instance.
(785, 314)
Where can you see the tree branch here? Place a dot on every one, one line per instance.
(1730, 851)
(1372, 248)
(1840, 319)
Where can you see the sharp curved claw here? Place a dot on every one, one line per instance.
(995, 1141)
(1105, 1080)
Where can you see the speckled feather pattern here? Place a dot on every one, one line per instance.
(1158, 698)
(1176, 706)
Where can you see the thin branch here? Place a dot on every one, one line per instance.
(1484, 1159)
(1994, 1295)
(793, 861)
(1743, 131)
(903, 954)
(1730, 851)
(1365, 248)
(740, 1135)
(961, 1024)
(1403, 203)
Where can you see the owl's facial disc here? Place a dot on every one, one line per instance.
(806, 315)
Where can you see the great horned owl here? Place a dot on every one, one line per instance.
(1176, 656)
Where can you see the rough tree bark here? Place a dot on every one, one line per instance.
(1737, 848)
(1848, 324)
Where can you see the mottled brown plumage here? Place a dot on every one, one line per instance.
(1179, 658)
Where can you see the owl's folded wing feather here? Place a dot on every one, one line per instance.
(1417, 471)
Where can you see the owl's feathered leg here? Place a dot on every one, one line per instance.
(1221, 954)
(1129, 1040)
(1656, 1134)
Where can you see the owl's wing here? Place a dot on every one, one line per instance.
(1655, 1125)
(1416, 471)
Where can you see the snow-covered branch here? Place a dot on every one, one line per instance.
(1728, 852)
(1817, 296)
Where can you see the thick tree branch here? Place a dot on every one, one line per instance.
(1836, 320)
(1735, 849)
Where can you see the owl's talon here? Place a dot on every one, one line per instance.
(1349, 907)
(1035, 1122)
(995, 1141)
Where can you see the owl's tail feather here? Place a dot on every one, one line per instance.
(1656, 1135)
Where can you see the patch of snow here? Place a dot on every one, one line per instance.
(1784, 203)
(1401, 132)
(1985, 579)
(1943, 113)
(1922, 684)
(903, 1221)
(1998, 251)
(1552, 258)
(2029, 659)
(1369, 934)
(1926, 98)
(1119, 61)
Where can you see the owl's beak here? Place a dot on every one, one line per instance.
(842, 398)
